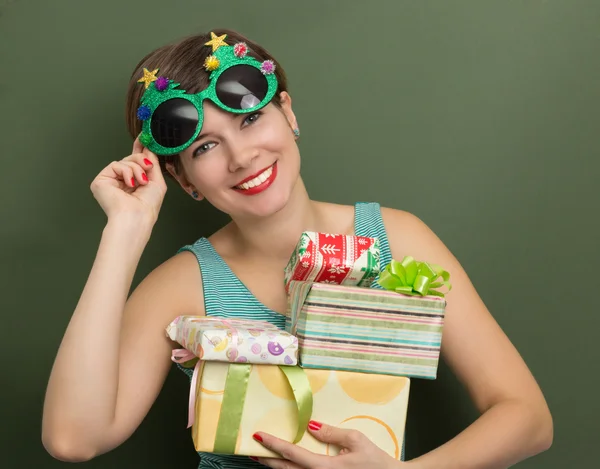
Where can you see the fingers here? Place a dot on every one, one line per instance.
(350, 439)
(141, 178)
(144, 160)
(137, 146)
(290, 452)
(129, 172)
(147, 160)
(136, 170)
(149, 167)
(154, 172)
(277, 463)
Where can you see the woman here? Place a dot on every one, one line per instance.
(237, 149)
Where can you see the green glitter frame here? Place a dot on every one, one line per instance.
(152, 98)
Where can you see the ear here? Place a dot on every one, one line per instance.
(286, 107)
(183, 182)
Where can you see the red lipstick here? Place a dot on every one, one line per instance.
(262, 186)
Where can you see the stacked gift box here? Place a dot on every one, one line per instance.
(346, 357)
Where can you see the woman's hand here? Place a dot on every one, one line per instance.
(133, 186)
(357, 451)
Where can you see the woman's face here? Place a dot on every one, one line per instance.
(244, 164)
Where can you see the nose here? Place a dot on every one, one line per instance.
(242, 155)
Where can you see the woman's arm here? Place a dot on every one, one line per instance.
(515, 422)
(115, 355)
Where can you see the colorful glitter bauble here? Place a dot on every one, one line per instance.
(145, 139)
(144, 112)
(267, 67)
(211, 63)
(161, 83)
(240, 49)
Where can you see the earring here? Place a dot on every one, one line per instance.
(297, 132)
(195, 195)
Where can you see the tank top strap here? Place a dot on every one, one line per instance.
(225, 295)
(216, 277)
(369, 222)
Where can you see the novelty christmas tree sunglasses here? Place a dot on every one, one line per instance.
(238, 83)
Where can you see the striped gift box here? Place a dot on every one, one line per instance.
(365, 330)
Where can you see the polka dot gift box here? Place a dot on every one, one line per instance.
(234, 340)
(233, 401)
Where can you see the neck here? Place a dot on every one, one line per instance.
(276, 236)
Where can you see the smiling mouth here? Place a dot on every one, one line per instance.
(256, 180)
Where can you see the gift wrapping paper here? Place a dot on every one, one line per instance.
(365, 329)
(373, 404)
(333, 258)
(234, 340)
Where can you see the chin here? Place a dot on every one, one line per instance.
(269, 203)
(272, 206)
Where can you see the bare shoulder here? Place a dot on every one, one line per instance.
(409, 235)
(180, 271)
(172, 288)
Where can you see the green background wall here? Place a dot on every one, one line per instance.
(482, 117)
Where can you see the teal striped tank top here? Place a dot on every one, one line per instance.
(225, 296)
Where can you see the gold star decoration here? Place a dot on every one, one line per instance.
(148, 77)
(216, 41)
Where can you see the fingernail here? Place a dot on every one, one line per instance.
(257, 437)
(133, 181)
(254, 458)
(144, 177)
(147, 162)
(313, 425)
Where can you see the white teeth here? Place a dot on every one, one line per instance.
(258, 180)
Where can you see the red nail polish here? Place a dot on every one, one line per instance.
(257, 437)
(254, 458)
(144, 177)
(133, 181)
(313, 425)
(147, 162)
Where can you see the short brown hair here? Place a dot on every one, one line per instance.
(183, 62)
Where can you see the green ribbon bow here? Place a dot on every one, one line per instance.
(232, 407)
(411, 277)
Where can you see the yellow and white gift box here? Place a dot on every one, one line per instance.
(233, 401)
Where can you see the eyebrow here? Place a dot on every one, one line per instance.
(212, 134)
(201, 136)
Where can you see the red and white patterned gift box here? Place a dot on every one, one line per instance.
(334, 258)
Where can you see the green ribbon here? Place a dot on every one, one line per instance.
(232, 407)
(234, 396)
(411, 277)
(303, 394)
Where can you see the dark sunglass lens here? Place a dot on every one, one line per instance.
(242, 87)
(174, 122)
